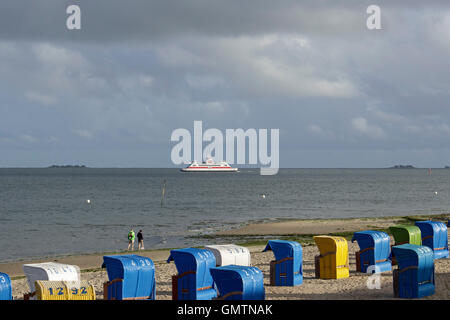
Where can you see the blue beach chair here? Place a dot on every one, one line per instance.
(374, 250)
(194, 280)
(131, 277)
(414, 277)
(287, 269)
(435, 236)
(5, 287)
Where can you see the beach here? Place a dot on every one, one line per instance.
(354, 287)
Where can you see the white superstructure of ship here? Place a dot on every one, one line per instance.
(209, 166)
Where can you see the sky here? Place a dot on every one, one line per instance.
(111, 93)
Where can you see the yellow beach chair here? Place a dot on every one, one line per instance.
(332, 263)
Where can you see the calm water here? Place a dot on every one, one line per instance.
(44, 211)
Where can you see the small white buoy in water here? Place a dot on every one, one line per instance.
(263, 196)
(88, 201)
(435, 192)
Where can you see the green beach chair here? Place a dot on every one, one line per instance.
(406, 234)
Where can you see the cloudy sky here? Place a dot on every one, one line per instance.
(110, 94)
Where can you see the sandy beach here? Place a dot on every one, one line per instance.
(354, 287)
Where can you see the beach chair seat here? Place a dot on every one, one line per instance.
(414, 277)
(64, 290)
(287, 268)
(227, 254)
(131, 277)
(374, 251)
(194, 280)
(435, 236)
(238, 282)
(333, 262)
(5, 287)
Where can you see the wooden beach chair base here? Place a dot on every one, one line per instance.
(358, 261)
(317, 266)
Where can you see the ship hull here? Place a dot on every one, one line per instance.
(209, 169)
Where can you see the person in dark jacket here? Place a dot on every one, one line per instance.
(140, 240)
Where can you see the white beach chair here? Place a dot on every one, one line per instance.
(49, 271)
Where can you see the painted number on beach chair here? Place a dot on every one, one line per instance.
(2, 279)
(59, 291)
(82, 291)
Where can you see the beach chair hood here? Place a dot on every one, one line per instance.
(406, 234)
(248, 281)
(284, 249)
(327, 244)
(227, 254)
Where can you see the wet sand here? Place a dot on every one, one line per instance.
(324, 226)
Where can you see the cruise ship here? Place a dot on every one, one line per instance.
(209, 166)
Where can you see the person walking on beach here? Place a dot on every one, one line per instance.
(140, 240)
(131, 237)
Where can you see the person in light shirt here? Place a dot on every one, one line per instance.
(131, 236)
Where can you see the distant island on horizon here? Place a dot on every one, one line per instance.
(80, 166)
(401, 166)
(67, 166)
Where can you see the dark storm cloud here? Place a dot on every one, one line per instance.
(117, 20)
(112, 92)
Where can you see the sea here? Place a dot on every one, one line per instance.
(49, 212)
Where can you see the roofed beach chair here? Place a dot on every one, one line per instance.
(238, 282)
(287, 268)
(435, 236)
(414, 277)
(194, 280)
(131, 277)
(49, 271)
(227, 254)
(5, 287)
(332, 263)
(374, 250)
(405, 234)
